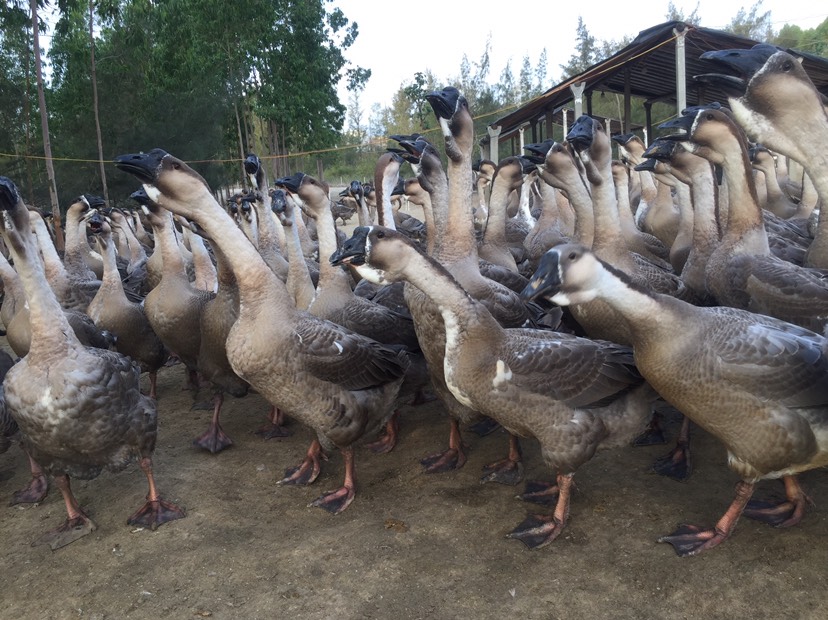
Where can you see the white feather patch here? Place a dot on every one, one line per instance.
(503, 376)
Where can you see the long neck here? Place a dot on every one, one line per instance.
(77, 247)
(111, 284)
(298, 281)
(53, 267)
(51, 333)
(137, 254)
(438, 203)
(460, 242)
(165, 241)
(333, 280)
(14, 294)
(206, 278)
(259, 288)
(703, 195)
(267, 239)
(496, 225)
(745, 225)
(607, 242)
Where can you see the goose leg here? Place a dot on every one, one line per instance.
(486, 426)
(153, 378)
(77, 524)
(214, 439)
(36, 490)
(275, 427)
(540, 492)
(692, 540)
(677, 464)
(539, 530)
(653, 434)
(453, 458)
(387, 442)
(155, 511)
(780, 514)
(509, 470)
(337, 501)
(308, 470)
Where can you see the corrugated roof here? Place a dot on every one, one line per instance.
(650, 63)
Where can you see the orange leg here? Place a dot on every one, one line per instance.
(77, 524)
(338, 500)
(155, 511)
(539, 530)
(453, 458)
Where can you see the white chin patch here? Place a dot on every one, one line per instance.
(562, 299)
(444, 125)
(377, 276)
(152, 191)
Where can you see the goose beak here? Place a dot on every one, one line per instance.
(622, 138)
(94, 202)
(682, 125)
(8, 194)
(145, 166)
(546, 281)
(95, 222)
(252, 164)
(443, 102)
(291, 183)
(278, 201)
(648, 165)
(353, 251)
(580, 136)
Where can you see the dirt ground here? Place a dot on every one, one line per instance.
(410, 546)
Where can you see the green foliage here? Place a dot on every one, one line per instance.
(812, 40)
(752, 24)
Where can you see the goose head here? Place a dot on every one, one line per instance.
(706, 131)
(742, 63)
(589, 140)
(567, 274)
(538, 151)
(378, 254)
(452, 112)
(100, 229)
(168, 181)
(255, 171)
(311, 194)
(15, 216)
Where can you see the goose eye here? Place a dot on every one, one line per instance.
(380, 234)
(709, 116)
(573, 255)
(787, 65)
(176, 166)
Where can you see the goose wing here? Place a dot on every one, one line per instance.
(776, 361)
(335, 354)
(581, 372)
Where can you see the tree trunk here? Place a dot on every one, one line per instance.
(95, 100)
(241, 145)
(44, 124)
(27, 117)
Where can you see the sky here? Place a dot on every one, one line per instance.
(397, 39)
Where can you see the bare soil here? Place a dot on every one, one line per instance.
(410, 546)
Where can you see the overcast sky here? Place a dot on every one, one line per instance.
(397, 39)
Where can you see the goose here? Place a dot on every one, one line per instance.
(656, 213)
(456, 248)
(81, 263)
(572, 394)
(80, 409)
(336, 302)
(777, 104)
(111, 310)
(267, 238)
(339, 383)
(742, 272)
(485, 169)
(776, 201)
(174, 306)
(758, 384)
(299, 281)
(508, 178)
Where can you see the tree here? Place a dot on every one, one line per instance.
(812, 40)
(540, 72)
(507, 90)
(585, 54)
(752, 24)
(676, 14)
(526, 89)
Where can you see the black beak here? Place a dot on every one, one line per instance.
(291, 183)
(252, 164)
(95, 202)
(444, 102)
(622, 138)
(648, 165)
(278, 201)
(546, 281)
(145, 166)
(8, 194)
(580, 136)
(95, 223)
(682, 126)
(353, 250)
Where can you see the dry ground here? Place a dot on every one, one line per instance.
(410, 546)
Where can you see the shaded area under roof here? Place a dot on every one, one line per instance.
(649, 63)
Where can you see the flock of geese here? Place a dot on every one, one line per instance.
(569, 298)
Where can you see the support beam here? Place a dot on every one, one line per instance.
(681, 78)
(627, 128)
(522, 139)
(578, 95)
(494, 140)
(648, 123)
